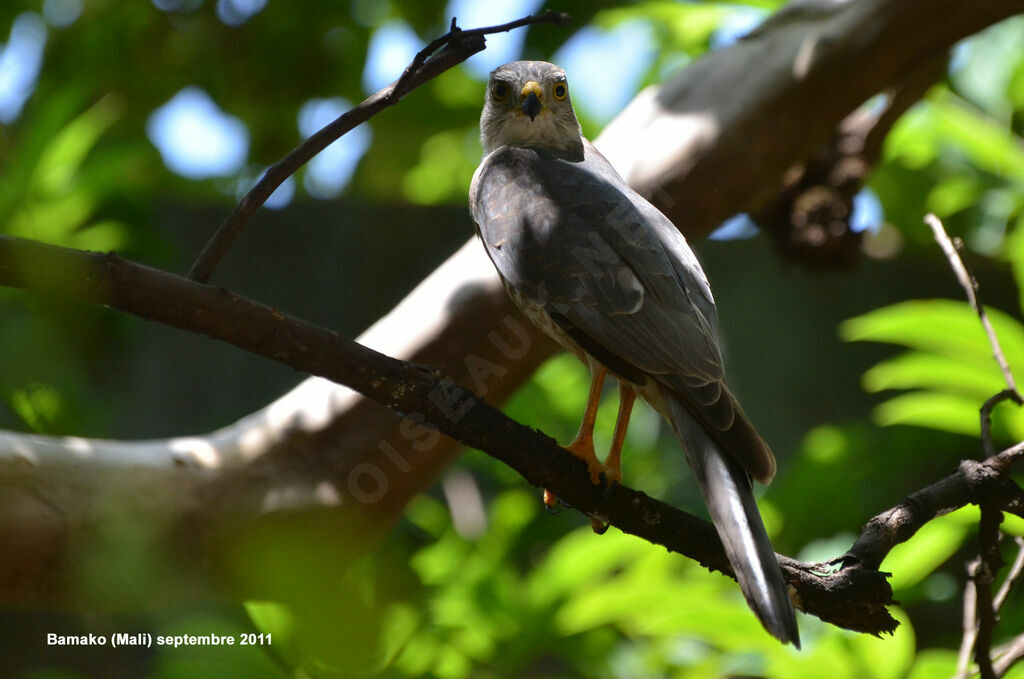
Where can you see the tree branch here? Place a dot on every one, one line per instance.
(1011, 577)
(809, 218)
(982, 572)
(748, 114)
(854, 597)
(973, 483)
(414, 390)
(458, 45)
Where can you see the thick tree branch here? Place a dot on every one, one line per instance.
(748, 115)
(854, 597)
(809, 219)
(419, 392)
(321, 449)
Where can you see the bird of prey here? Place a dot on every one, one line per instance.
(603, 272)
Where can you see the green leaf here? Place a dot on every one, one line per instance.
(970, 515)
(278, 620)
(945, 327)
(38, 405)
(687, 26)
(64, 155)
(953, 194)
(915, 370)
(565, 382)
(947, 120)
(447, 162)
(945, 412)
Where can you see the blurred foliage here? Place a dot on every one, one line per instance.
(533, 595)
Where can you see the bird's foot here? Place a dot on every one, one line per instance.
(612, 478)
(583, 448)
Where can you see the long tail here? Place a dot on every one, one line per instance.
(730, 501)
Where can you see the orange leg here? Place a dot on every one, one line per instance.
(583, 446)
(612, 470)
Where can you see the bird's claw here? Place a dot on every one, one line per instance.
(612, 480)
(551, 502)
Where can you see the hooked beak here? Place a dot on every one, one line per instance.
(531, 95)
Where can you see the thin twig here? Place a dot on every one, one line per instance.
(970, 626)
(403, 84)
(1008, 654)
(986, 417)
(1015, 572)
(458, 46)
(970, 286)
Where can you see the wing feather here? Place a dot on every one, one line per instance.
(573, 237)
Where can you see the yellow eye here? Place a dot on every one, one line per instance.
(561, 91)
(499, 90)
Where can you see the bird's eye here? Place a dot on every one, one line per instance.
(499, 90)
(561, 91)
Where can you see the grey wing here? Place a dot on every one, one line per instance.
(566, 237)
(615, 274)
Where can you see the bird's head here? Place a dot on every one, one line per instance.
(528, 104)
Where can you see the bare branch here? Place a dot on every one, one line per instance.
(1011, 577)
(970, 286)
(970, 631)
(458, 45)
(973, 483)
(809, 218)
